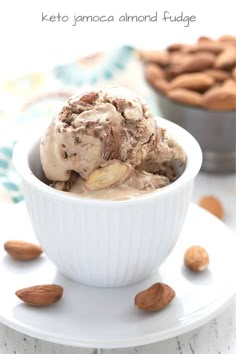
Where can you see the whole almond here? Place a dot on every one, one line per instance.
(197, 62)
(89, 98)
(22, 250)
(204, 39)
(214, 88)
(230, 83)
(227, 59)
(195, 81)
(172, 71)
(157, 57)
(155, 298)
(154, 72)
(186, 96)
(111, 174)
(217, 74)
(40, 295)
(234, 73)
(206, 46)
(178, 58)
(213, 205)
(161, 85)
(227, 38)
(177, 47)
(196, 258)
(220, 98)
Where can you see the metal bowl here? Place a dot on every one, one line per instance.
(214, 130)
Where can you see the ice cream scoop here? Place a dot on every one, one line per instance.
(94, 127)
(108, 139)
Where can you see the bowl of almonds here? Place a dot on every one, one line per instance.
(195, 86)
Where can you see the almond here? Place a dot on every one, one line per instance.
(213, 89)
(110, 175)
(197, 62)
(195, 81)
(204, 39)
(154, 72)
(172, 71)
(178, 58)
(158, 57)
(217, 74)
(161, 85)
(227, 59)
(196, 258)
(230, 83)
(234, 73)
(206, 46)
(22, 250)
(177, 47)
(220, 98)
(155, 298)
(213, 205)
(89, 98)
(186, 96)
(227, 38)
(40, 295)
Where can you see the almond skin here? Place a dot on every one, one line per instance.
(40, 295)
(227, 59)
(234, 73)
(89, 98)
(227, 38)
(110, 175)
(161, 85)
(185, 96)
(178, 58)
(154, 72)
(217, 74)
(196, 258)
(176, 47)
(197, 62)
(158, 57)
(155, 298)
(195, 81)
(213, 205)
(21, 250)
(206, 46)
(220, 98)
(204, 39)
(172, 71)
(230, 83)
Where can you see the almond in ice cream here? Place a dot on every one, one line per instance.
(106, 144)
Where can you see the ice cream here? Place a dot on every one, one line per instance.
(139, 182)
(106, 144)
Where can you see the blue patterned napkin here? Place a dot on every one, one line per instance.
(36, 97)
(9, 180)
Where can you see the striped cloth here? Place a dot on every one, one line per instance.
(10, 189)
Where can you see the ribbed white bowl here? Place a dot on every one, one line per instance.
(101, 242)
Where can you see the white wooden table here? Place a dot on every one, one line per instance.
(216, 337)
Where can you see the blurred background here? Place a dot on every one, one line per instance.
(43, 63)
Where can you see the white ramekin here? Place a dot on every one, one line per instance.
(101, 242)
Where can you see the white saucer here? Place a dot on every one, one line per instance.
(106, 318)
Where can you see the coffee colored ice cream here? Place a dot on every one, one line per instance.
(106, 144)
